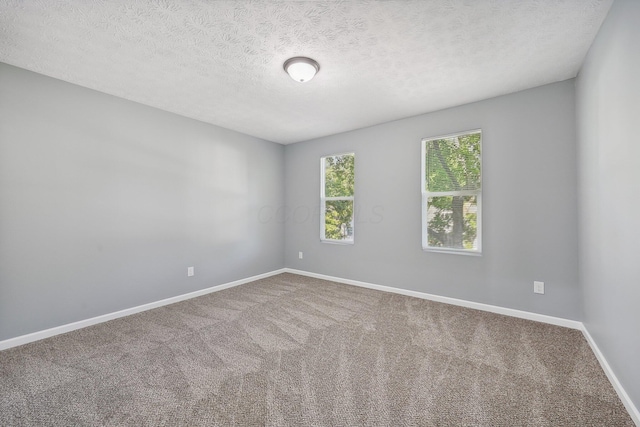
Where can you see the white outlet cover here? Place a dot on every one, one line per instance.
(300, 255)
(538, 287)
(190, 271)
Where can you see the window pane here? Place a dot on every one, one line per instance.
(338, 175)
(452, 222)
(338, 220)
(453, 164)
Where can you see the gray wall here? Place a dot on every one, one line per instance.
(104, 203)
(529, 205)
(608, 109)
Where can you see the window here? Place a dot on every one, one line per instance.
(452, 193)
(336, 198)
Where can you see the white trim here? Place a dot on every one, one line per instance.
(338, 242)
(426, 194)
(346, 153)
(452, 251)
(452, 135)
(324, 199)
(622, 394)
(452, 193)
(573, 324)
(57, 330)
(558, 321)
(332, 199)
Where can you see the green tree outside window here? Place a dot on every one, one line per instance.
(337, 197)
(452, 192)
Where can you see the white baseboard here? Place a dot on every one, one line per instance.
(624, 397)
(35, 336)
(573, 324)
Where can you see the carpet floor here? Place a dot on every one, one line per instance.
(294, 351)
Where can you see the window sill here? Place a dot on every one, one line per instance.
(337, 242)
(452, 251)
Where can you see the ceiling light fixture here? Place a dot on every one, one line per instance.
(301, 69)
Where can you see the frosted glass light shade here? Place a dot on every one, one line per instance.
(301, 69)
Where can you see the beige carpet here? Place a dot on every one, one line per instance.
(291, 350)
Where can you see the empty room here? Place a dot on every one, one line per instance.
(319, 213)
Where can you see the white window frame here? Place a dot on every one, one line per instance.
(324, 200)
(426, 194)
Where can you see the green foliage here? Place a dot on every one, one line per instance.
(338, 219)
(339, 182)
(440, 218)
(339, 176)
(453, 164)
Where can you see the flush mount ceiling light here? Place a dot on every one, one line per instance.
(301, 69)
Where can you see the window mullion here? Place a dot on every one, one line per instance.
(451, 167)
(338, 198)
(337, 212)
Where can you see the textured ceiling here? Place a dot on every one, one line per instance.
(221, 61)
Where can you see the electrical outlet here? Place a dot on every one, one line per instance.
(538, 287)
(190, 271)
(300, 255)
